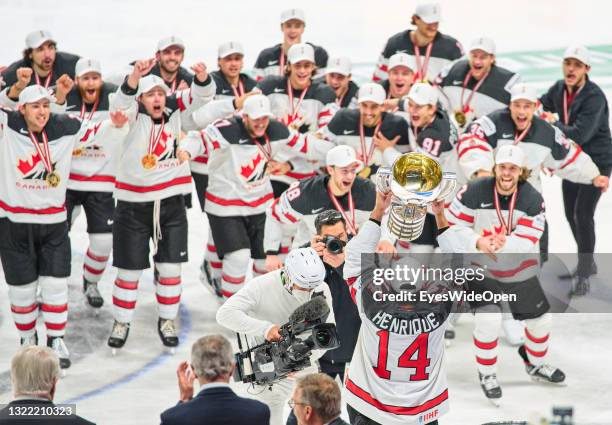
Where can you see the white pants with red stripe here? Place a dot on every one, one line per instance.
(233, 274)
(211, 256)
(96, 257)
(125, 293)
(54, 306)
(537, 332)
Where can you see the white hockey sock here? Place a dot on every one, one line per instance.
(54, 291)
(168, 289)
(259, 267)
(96, 257)
(24, 307)
(537, 332)
(487, 322)
(234, 271)
(125, 293)
(211, 256)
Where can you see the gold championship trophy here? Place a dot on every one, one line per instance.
(415, 180)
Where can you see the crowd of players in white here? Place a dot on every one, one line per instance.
(267, 155)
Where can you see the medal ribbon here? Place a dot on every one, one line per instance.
(294, 108)
(47, 80)
(44, 153)
(465, 107)
(93, 110)
(267, 150)
(519, 137)
(507, 225)
(239, 91)
(362, 140)
(155, 138)
(567, 103)
(422, 67)
(281, 62)
(350, 222)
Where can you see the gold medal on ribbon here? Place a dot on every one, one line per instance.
(149, 161)
(460, 118)
(77, 152)
(53, 179)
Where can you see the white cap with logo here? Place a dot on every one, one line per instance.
(289, 14)
(423, 94)
(166, 42)
(257, 106)
(485, 44)
(301, 52)
(401, 59)
(578, 52)
(148, 83)
(511, 154)
(429, 12)
(36, 39)
(339, 65)
(85, 65)
(342, 156)
(522, 91)
(230, 48)
(34, 93)
(371, 92)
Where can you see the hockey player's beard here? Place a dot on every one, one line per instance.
(90, 95)
(506, 185)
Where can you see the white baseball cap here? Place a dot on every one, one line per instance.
(257, 106)
(230, 48)
(578, 52)
(512, 154)
(301, 52)
(290, 14)
(84, 65)
(149, 82)
(339, 65)
(523, 91)
(483, 43)
(342, 156)
(423, 94)
(371, 92)
(36, 39)
(429, 12)
(164, 43)
(401, 59)
(34, 93)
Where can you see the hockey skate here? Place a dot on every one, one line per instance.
(94, 298)
(581, 287)
(167, 334)
(118, 336)
(57, 344)
(490, 387)
(31, 339)
(542, 373)
(213, 284)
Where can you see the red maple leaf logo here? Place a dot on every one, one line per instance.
(161, 146)
(90, 131)
(247, 171)
(28, 165)
(496, 229)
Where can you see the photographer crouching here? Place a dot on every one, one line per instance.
(259, 311)
(329, 244)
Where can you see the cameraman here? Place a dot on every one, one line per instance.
(266, 302)
(329, 243)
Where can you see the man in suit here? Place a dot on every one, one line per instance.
(212, 364)
(35, 371)
(316, 400)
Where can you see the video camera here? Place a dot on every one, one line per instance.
(270, 362)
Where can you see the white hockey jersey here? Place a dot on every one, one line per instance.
(168, 177)
(25, 195)
(310, 109)
(397, 375)
(544, 146)
(238, 183)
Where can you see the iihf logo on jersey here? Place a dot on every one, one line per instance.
(254, 170)
(33, 168)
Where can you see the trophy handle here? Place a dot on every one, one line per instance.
(383, 179)
(448, 184)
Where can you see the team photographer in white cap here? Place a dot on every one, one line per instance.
(266, 302)
(579, 108)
